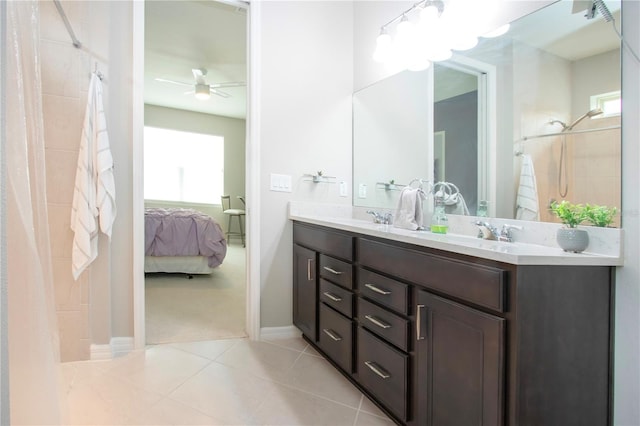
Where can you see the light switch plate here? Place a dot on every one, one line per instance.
(343, 189)
(280, 183)
(362, 190)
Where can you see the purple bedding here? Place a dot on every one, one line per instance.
(183, 232)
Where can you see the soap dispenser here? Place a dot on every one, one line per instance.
(439, 221)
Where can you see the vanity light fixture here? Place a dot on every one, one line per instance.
(435, 34)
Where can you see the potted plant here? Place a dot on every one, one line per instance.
(569, 237)
(601, 216)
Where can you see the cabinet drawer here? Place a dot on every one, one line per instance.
(336, 271)
(383, 371)
(476, 283)
(336, 337)
(336, 297)
(385, 324)
(387, 292)
(323, 240)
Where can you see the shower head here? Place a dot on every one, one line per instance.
(599, 6)
(589, 114)
(562, 123)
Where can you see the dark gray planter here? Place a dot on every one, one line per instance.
(572, 239)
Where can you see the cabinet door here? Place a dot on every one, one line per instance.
(305, 291)
(460, 365)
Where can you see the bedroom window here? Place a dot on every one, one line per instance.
(183, 166)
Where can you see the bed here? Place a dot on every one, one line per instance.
(182, 241)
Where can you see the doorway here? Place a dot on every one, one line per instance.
(188, 46)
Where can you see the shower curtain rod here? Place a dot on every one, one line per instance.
(63, 15)
(572, 132)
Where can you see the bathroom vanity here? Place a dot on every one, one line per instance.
(439, 332)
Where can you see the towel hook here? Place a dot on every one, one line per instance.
(96, 71)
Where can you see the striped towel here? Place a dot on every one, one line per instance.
(94, 192)
(527, 198)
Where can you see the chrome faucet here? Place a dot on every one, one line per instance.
(380, 218)
(505, 233)
(490, 232)
(486, 230)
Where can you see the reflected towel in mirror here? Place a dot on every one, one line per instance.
(409, 212)
(527, 198)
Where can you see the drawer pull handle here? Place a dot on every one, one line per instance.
(419, 335)
(333, 271)
(335, 336)
(377, 290)
(377, 322)
(377, 369)
(332, 297)
(309, 269)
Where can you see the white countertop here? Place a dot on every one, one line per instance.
(517, 253)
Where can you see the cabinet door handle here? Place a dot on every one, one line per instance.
(333, 271)
(419, 309)
(332, 297)
(309, 278)
(377, 369)
(335, 336)
(377, 289)
(378, 322)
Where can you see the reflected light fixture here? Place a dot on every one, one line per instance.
(203, 92)
(435, 33)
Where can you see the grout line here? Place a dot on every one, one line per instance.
(355, 421)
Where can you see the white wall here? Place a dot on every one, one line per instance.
(306, 86)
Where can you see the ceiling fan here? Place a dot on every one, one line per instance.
(201, 89)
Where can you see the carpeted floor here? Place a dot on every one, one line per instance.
(207, 307)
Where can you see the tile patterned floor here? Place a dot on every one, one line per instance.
(222, 382)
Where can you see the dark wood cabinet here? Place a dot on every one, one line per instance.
(460, 359)
(438, 338)
(305, 291)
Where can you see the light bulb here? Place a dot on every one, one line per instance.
(202, 92)
(429, 15)
(403, 45)
(463, 42)
(420, 64)
(497, 32)
(383, 46)
(439, 53)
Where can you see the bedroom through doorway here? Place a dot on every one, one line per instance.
(194, 93)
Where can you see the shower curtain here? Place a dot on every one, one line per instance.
(34, 367)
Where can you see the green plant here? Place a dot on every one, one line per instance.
(569, 214)
(600, 215)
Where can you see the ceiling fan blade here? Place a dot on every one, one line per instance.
(220, 93)
(164, 80)
(190, 92)
(229, 84)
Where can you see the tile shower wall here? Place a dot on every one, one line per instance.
(65, 81)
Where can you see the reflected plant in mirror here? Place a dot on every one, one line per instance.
(479, 118)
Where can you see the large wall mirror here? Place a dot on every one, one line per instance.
(524, 97)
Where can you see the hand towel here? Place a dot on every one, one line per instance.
(527, 207)
(94, 190)
(409, 212)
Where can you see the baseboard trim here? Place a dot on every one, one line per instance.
(287, 332)
(117, 347)
(100, 352)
